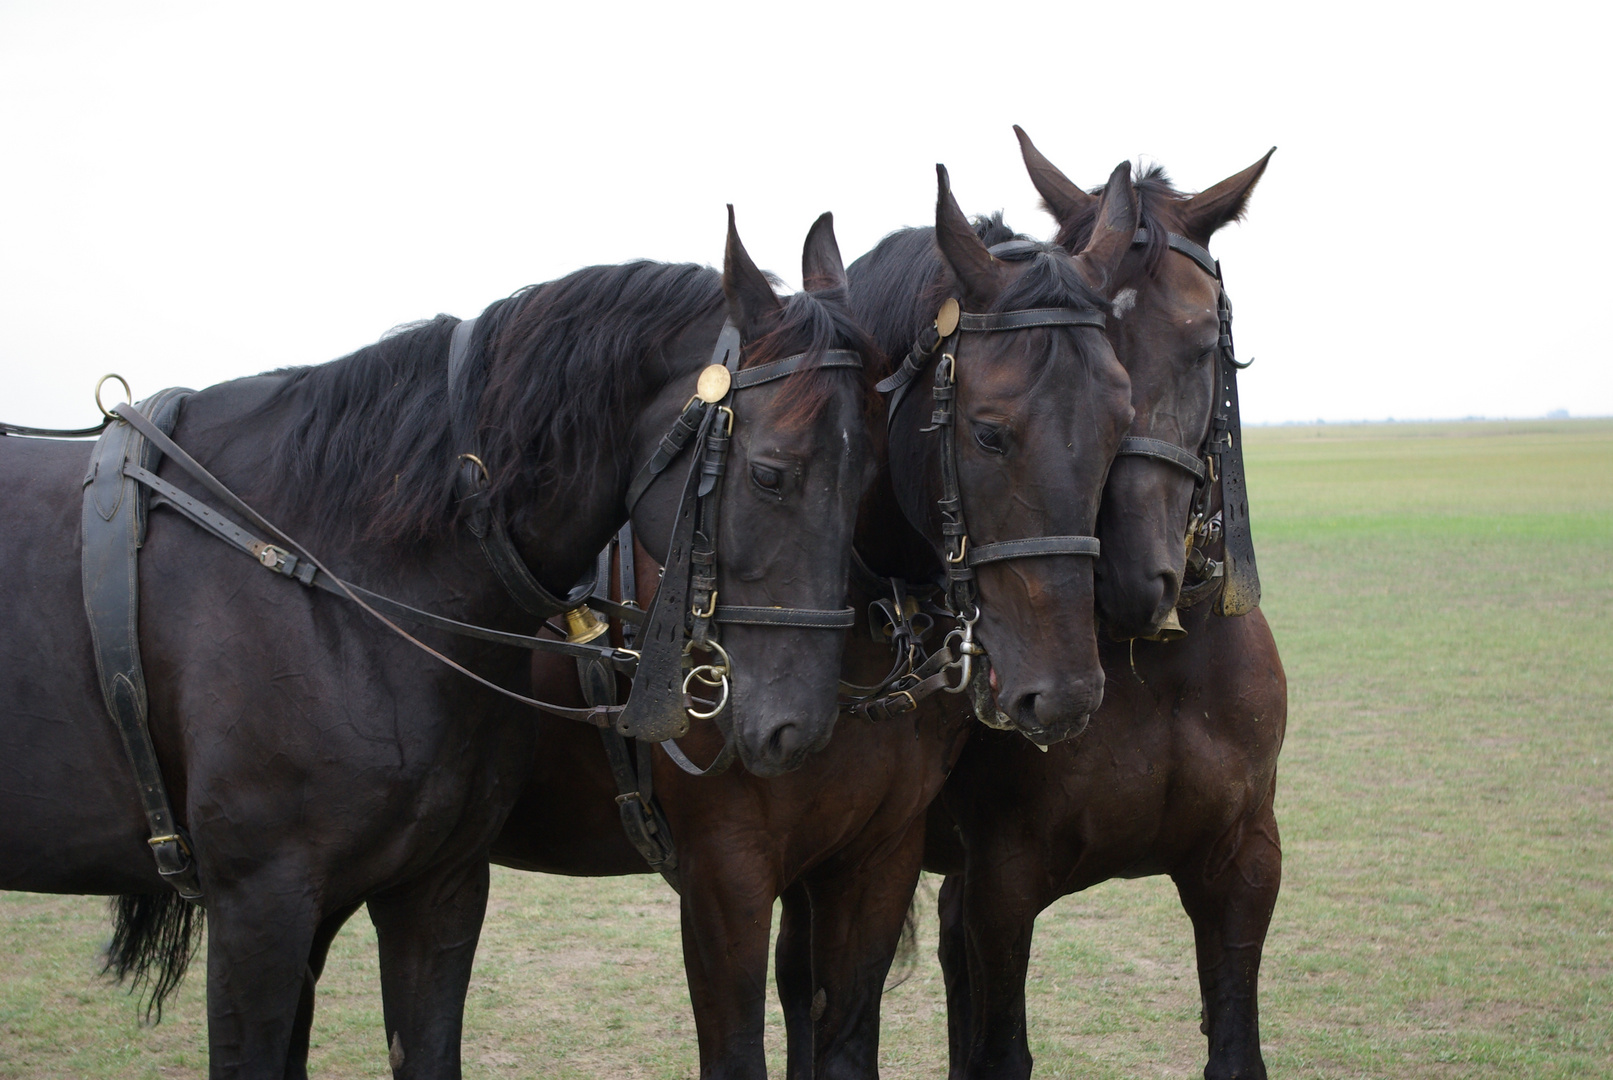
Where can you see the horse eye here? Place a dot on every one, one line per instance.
(765, 478)
(990, 438)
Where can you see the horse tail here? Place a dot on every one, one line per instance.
(154, 936)
(907, 946)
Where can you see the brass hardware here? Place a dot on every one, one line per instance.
(480, 465)
(963, 551)
(711, 608)
(1169, 630)
(584, 624)
(946, 320)
(950, 363)
(713, 384)
(158, 841)
(127, 393)
(912, 702)
(729, 413)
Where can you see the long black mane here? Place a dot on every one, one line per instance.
(902, 281)
(562, 368)
(560, 363)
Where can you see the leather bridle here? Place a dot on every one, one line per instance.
(684, 616)
(939, 344)
(1219, 460)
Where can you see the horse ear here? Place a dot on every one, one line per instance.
(1063, 198)
(821, 266)
(977, 271)
(1112, 235)
(751, 299)
(1213, 207)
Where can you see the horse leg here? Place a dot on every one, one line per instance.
(727, 913)
(297, 1057)
(1230, 897)
(427, 931)
(857, 919)
(792, 964)
(260, 936)
(953, 952)
(999, 915)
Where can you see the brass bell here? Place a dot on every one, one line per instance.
(1169, 630)
(584, 624)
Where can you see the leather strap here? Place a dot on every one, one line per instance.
(53, 433)
(1036, 545)
(601, 716)
(1029, 318)
(497, 546)
(1182, 244)
(1160, 450)
(113, 531)
(799, 618)
(745, 378)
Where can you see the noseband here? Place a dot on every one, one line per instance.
(1219, 460)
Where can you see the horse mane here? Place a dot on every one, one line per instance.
(904, 280)
(1157, 200)
(561, 363)
(563, 368)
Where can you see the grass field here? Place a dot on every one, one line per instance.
(1443, 598)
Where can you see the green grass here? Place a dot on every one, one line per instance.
(1443, 597)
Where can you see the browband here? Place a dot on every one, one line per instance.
(1029, 317)
(1038, 545)
(778, 369)
(1187, 247)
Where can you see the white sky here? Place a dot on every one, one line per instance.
(193, 192)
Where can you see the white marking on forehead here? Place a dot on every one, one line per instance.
(1124, 301)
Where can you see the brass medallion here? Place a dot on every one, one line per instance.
(946, 320)
(714, 383)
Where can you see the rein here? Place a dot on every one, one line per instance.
(1219, 460)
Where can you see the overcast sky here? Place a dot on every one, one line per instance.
(195, 192)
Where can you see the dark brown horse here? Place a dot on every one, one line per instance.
(1176, 773)
(316, 760)
(841, 837)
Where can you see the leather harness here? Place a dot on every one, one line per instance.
(1219, 459)
(925, 675)
(122, 483)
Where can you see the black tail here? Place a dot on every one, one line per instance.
(153, 938)
(907, 946)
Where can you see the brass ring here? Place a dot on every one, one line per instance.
(127, 393)
(480, 465)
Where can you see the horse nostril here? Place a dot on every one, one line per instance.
(1027, 712)
(784, 741)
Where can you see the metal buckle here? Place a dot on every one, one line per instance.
(711, 609)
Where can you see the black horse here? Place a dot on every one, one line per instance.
(318, 761)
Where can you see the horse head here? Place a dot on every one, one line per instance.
(1037, 408)
(1165, 327)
